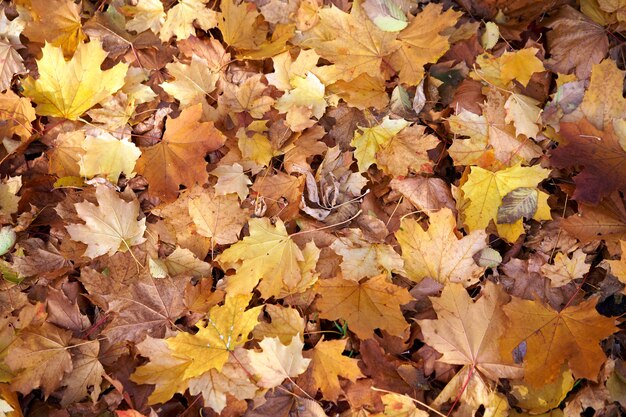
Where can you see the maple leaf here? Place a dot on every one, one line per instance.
(552, 338)
(108, 156)
(438, 253)
(564, 270)
(501, 71)
(285, 323)
(192, 82)
(362, 259)
(232, 380)
(618, 268)
(397, 405)
(87, 371)
(276, 361)
(182, 261)
(575, 43)
(267, 255)
(304, 101)
(326, 366)
(370, 140)
(599, 153)
(485, 190)
(351, 41)
(218, 217)
(368, 305)
(422, 42)
(231, 179)
(180, 19)
(11, 63)
(467, 332)
(164, 370)
(18, 113)
(40, 358)
(247, 97)
(226, 328)
(239, 25)
(109, 227)
(524, 113)
(70, 88)
(606, 221)
(603, 101)
(179, 157)
(57, 22)
(146, 14)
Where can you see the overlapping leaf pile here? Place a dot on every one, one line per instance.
(312, 207)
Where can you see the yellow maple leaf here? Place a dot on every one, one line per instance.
(181, 18)
(438, 253)
(267, 255)
(422, 42)
(17, 114)
(370, 140)
(146, 14)
(241, 25)
(164, 370)
(57, 22)
(603, 101)
(304, 101)
(520, 65)
(192, 82)
(501, 71)
(110, 226)
(70, 88)
(108, 156)
(286, 323)
(227, 327)
(327, 365)
(484, 191)
(351, 41)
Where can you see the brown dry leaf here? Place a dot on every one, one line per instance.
(281, 193)
(179, 158)
(552, 338)
(365, 306)
(438, 253)
(18, 113)
(575, 43)
(425, 193)
(598, 152)
(40, 358)
(86, 376)
(327, 365)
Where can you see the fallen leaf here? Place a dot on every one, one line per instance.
(179, 158)
(109, 227)
(70, 88)
(553, 338)
(276, 361)
(368, 305)
(438, 253)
